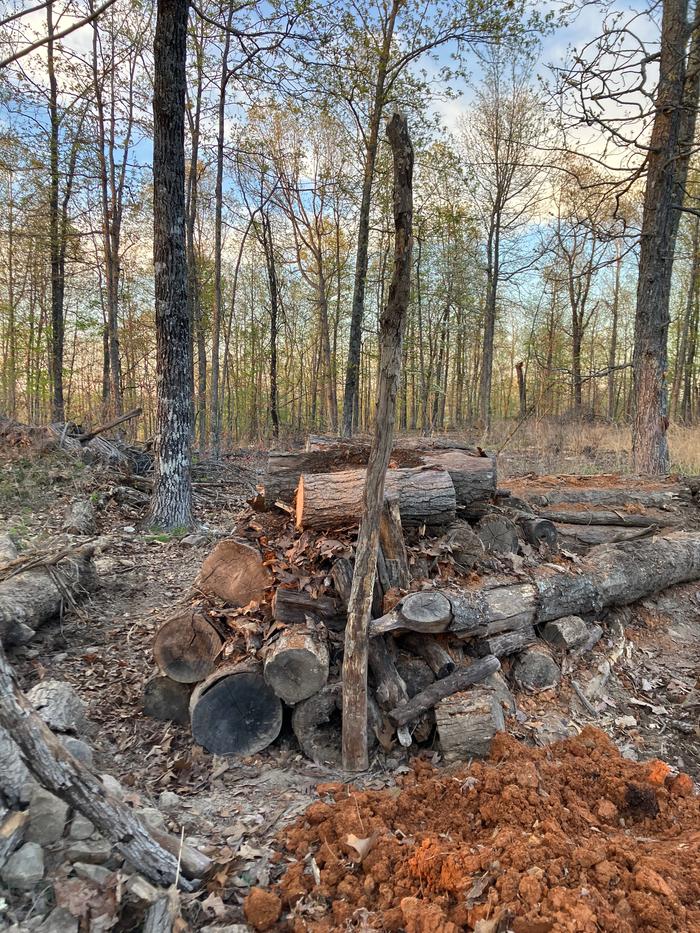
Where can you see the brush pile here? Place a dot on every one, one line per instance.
(470, 577)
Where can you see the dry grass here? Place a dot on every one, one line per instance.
(549, 446)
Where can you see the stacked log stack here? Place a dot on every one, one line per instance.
(435, 647)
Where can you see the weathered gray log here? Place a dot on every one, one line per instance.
(31, 598)
(59, 772)
(13, 824)
(428, 611)
(161, 915)
(467, 722)
(576, 537)
(607, 517)
(389, 688)
(536, 669)
(432, 651)
(465, 545)
(167, 700)
(516, 639)
(567, 633)
(392, 559)
(234, 711)
(292, 607)
(334, 500)
(186, 646)
(473, 476)
(498, 534)
(437, 691)
(296, 664)
(610, 496)
(539, 532)
(79, 518)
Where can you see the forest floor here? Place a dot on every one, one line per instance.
(646, 667)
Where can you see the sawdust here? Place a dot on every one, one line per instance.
(572, 837)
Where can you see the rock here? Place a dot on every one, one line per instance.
(226, 928)
(92, 851)
(194, 541)
(96, 873)
(141, 891)
(25, 868)
(59, 706)
(48, 816)
(169, 801)
(567, 633)
(152, 818)
(80, 827)
(78, 749)
(535, 669)
(17, 782)
(262, 909)
(60, 920)
(112, 786)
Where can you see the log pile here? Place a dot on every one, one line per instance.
(268, 635)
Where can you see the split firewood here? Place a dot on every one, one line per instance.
(234, 572)
(473, 476)
(334, 500)
(296, 664)
(392, 559)
(467, 722)
(79, 518)
(157, 856)
(459, 680)
(432, 651)
(31, 597)
(167, 700)
(186, 647)
(291, 607)
(234, 711)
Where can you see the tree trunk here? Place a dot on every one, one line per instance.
(355, 755)
(57, 266)
(522, 390)
(171, 506)
(667, 166)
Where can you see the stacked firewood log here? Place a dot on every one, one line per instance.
(261, 639)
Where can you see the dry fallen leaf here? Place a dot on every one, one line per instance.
(361, 846)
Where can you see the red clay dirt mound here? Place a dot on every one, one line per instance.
(571, 837)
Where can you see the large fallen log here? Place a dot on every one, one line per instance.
(606, 496)
(32, 597)
(577, 537)
(606, 517)
(234, 711)
(473, 476)
(334, 500)
(160, 858)
(611, 575)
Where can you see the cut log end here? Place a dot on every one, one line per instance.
(296, 665)
(186, 647)
(167, 700)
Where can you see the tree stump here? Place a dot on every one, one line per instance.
(79, 518)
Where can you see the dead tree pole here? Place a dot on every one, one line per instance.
(391, 339)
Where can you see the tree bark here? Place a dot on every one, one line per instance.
(437, 691)
(355, 754)
(334, 500)
(296, 665)
(171, 506)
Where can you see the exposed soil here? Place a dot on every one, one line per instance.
(572, 837)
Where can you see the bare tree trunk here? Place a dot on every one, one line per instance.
(489, 324)
(612, 351)
(57, 267)
(392, 325)
(669, 154)
(274, 318)
(171, 506)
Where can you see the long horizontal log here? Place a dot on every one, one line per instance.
(609, 496)
(588, 536)
(333, 500)
(437, 691)
(611, 575)
(605, 517)
(32, 597)
(473, 476)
